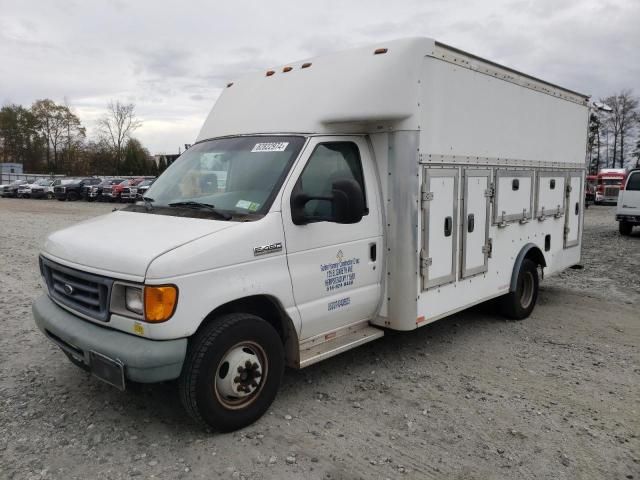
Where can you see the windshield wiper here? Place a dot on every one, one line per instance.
(198, 205)
(148, 201)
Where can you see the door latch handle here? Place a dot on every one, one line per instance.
(448, 226)
(373, 252)
(471, 223)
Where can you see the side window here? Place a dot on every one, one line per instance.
(634, 182)
(328, 163)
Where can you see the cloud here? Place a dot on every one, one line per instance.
(173, 59)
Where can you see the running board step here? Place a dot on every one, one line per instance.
(338, 345)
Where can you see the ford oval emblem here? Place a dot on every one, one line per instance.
(68, 289)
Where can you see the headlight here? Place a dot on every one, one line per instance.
(159, 302)
(133, 299)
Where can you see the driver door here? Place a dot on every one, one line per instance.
(335, 268)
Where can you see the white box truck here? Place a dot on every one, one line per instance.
(324, 202)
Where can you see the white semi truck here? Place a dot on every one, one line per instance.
(325, 202)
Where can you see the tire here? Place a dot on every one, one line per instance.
(519, 304)
(625, 228)
(61, 199)
(50, 196)
(217, 352)
(72, 196)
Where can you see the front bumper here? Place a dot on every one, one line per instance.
(145, 361)
(634, 219)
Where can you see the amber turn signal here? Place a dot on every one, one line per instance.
(159, 302)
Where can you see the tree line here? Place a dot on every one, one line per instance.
(613, 138)
(48, 137)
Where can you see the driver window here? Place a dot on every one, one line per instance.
(328, 162)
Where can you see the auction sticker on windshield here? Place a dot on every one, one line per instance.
(270, 147)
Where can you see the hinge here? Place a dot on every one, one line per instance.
(568, 190)
(524, 218)
(566, 232)
(425, 263)
(426, 196)
(490, 192)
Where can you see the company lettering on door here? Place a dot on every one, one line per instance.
(339, 274)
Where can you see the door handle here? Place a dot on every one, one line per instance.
(471, 223)
(373, 253)
(448, 224)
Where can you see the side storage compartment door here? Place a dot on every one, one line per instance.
(440, 220)
(573, 209)
(514, 196)
(475, 222)
(550, 200)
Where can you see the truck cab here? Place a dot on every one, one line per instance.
(608, 184)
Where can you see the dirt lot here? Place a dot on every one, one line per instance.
(470, 397)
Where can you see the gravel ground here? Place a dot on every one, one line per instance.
(469, 397)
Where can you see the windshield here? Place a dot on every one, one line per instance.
(43, 183)
(611, 181)
(239, 175)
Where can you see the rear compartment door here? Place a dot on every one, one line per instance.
(475, 222)
(440, 226)
(573, 210)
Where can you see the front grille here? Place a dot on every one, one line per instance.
(611, 191)
(83, 292)
(106, 191)
(59, 189)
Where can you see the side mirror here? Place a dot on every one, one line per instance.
(347, 204)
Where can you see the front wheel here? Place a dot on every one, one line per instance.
(625, 228)
(232, 371)
(519, 304)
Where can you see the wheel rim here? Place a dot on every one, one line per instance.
(526, 295)
(241, 375)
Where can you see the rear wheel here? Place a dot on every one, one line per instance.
(519, 304)
(625, 228)
(232, 371)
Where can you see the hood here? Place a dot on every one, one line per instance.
(125, 243)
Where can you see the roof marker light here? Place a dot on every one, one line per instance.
(378, 51)
(305, 65)
(287, 69)
(270, 72)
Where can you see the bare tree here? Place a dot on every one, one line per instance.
(117, 125)
(624, 112)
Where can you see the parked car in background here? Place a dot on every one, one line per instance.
(11, 190)
(115, 192)
(628, 211)
(73, 190)
(143, 187)
(87, 186)
(42, 188)
(96, 191)
(608, 183)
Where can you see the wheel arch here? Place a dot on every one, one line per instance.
(530, 251)
(271, 310)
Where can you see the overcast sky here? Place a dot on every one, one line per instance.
(172, 58)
